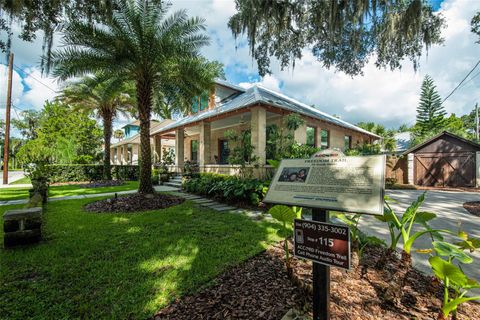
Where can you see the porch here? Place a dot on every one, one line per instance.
(203, 141)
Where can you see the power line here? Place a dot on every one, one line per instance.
(476, 75)
(468, 74)
(29, 74)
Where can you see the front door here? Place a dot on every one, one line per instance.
(223, 151)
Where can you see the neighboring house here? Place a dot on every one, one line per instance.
(403, 141)
(127, 150)
(200, 136)
(446, 160)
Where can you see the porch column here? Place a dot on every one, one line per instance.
(319, 137)
(158, 147)
(135, 152)
(179, 146)
(259, 133)
(125, 153)
(204, 148)
(119, 155)
(112, 155)
(301, 134)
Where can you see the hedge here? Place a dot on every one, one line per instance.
(227, 188)
(90, 172)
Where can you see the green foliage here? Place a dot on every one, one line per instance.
(402, 226)
(181, 247)
(387, 142)
(286, 216)
(454, 279)
(28, 124)
(226, 188)
(430, 111)
(140, 43)
(90, 172)
(168, 156)
(241, 150)
(281, 143)
(344, 35)
(63, 136)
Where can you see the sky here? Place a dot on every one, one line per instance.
(384, 96)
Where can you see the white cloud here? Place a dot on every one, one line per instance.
(391, 97)
(269, 81)
(388, 97)
(40, 90)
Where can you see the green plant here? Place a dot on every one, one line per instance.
(286, 216)
(358, 238)
(241, 152)
(226, 188)
(402, 227)
(453, 278)
(168, 156)
(455, 282)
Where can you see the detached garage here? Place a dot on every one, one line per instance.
(445, 160)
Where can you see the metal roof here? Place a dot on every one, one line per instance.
(258, 94)
(435, 137)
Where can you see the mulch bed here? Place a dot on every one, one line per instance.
(379, 287)
(473, 207)
(134, 203)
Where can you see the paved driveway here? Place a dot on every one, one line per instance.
(450, 214)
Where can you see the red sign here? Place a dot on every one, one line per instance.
(322, 242)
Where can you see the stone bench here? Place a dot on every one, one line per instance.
(22, 226)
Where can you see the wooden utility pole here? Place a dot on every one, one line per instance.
(7, 120)
(476, 121)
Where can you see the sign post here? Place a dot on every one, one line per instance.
(321, 278)
(327, 181)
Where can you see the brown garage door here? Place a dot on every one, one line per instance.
(445, 170)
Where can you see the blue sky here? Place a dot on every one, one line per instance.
(384, 96)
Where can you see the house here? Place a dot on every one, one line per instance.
(445, 160)
(127, 150)
(200, 136)
(403, 141)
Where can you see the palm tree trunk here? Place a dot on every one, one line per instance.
(144, 102)
(107, 136)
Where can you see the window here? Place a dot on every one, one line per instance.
(325, 143)
(311, 133)
(204, 101)
(347, 143)
(194, 150)
(195, 105)
(200, 103)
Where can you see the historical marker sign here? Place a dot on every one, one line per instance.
(321, 242)
(349, 184)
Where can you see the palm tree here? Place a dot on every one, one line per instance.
(107, 97)
(139, 43)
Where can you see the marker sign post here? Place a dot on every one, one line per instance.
(327, 181)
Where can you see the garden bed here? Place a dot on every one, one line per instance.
(473, 207)
(134, 203)
(374, 289)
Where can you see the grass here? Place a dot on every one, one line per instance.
(24, 180)
(62, 191)
(119, 266)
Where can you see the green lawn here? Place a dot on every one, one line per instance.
(62, 191)
(24, 180)
(119, 266)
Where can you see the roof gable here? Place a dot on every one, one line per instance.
(445, 142)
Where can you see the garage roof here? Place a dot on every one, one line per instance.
(434, 138)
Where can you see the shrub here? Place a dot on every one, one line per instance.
(226, 188)
(89, 172)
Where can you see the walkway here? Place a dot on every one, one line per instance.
(12, 177)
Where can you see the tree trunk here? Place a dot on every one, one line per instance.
(107, 136)
(144, 102)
